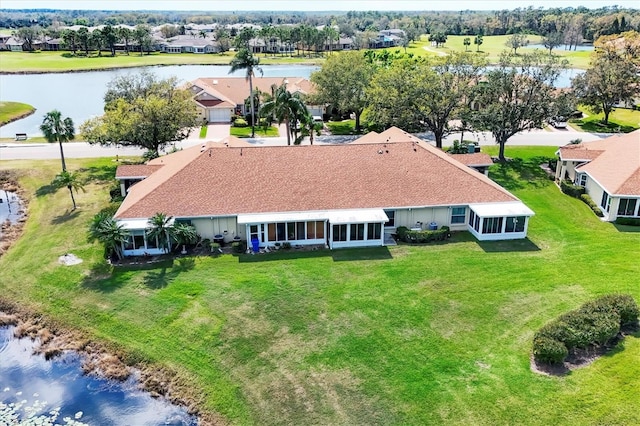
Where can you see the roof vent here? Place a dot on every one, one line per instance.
(215, 82)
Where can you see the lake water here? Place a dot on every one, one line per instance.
(582, 48)
(57, 391)
(80, 95)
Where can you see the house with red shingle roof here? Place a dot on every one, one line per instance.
(217, 99)
(609, 171)
(346, 195)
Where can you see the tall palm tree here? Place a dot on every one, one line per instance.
(57, 129)
(244, 60)
(106, 230)
(71, 181)
(161, 228)
(286, 107)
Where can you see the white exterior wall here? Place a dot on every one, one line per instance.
(440, 215)
(208, 227)
(595, 191)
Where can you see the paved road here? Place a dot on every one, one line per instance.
(15, 151)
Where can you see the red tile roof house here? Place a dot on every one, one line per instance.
(218, 98)
(609, 170)
(346, 195)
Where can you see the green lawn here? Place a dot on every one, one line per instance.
(434, 334)
(623, 120)
(245, 132)
(491, 48)
(60, 62)
(344, 127)
(10, 111)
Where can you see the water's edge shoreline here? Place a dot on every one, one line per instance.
(71, 71)
(18, 117)
(103, 359)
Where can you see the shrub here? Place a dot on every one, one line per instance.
(570, 189)
(549, 350)
(240, 122)
(234, 117)
(238, 246)
(624, 305)
(594, 207)
(594, 323)
(424, 236)
(628, 221)
(215, 247)
(286, 245)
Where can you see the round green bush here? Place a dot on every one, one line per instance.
(549, 351)
(240, 122)
(625, 306)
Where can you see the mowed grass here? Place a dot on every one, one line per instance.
(434, 334)
(12, 110)
(11, 62)
(245, 132)
(623, 120)
(491, 49)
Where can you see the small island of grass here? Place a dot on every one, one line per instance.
(12, 111)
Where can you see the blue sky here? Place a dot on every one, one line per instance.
(306, 5)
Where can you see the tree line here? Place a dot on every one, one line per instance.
(580, 22)
(458, 93)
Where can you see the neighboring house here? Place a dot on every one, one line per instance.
(387, 38)
(3, 42)
(189, 44)
(345, 195)
(219, 98)
(14, 45)
(478, 161)
(609, 170)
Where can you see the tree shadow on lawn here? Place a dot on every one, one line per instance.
(504, 246)
(65, 217)
(46, 190)
(105, 278)
(161, 278)
(516, 173)
(99, 174)
(338, 255)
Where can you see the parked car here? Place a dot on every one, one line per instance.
(558, 122)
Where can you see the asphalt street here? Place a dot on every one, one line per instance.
(43, 151)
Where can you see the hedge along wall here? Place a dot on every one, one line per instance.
(426, 236)
(577, 191)
(593, 324)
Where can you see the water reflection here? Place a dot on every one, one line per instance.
(39, 387)
(81, 95)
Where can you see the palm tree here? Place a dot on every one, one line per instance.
(309, 127)
(56, 129)
(161, 229)
(106, 230)
(184, 234)
(244, 60)
(70, 181)
(285, 107)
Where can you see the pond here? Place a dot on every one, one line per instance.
(80, 95)
(581, 48)
(35, 391)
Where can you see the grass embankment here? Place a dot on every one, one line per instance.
(344, 127)
(245, 132)
(26, 62)
(622, 120)
(435, 334)
(12, 111)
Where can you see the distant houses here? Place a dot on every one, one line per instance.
(201, 39)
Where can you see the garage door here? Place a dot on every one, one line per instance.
(220, 115)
